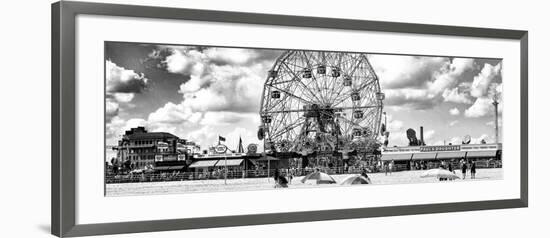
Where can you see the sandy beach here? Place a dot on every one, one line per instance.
(403, 177)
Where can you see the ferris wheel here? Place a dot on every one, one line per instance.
(319, 101)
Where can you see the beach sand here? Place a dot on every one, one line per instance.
(403, 177)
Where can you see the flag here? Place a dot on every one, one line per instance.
(220, 138)
(240, 149)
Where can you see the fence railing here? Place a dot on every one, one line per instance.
(263, 173)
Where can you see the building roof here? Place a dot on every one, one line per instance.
(400, 156)
(424, 156)
(203, 163)
(151, 135)
(229, 162)
(484, 153)
(451, 155)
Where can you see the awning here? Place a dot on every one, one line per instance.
(400, 156)
(178, 167)
(230, 162)
(162, 168)
(451, 155)
(203, 163)
(482, 153)
(267, 158)
(424, 156)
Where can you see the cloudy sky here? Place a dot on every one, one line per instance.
(198, 93)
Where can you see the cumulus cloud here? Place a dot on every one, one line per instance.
(483, 80)
(123, 97)
(172, 113)
(226, 88)
(228, 118)
(410, 98)
(223, 88)
(481, 107)
(450, 74)
(121, 80)
(421, 82)
(453, 95)
(405, 71)
(395, 125)
(111, 109)
(454, 111)
(204, 136)
(220, 79)
(121, 86)
(452, 123)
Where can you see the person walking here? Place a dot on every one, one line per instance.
(390, 166)
(473, 170)
(464, 169)
(276, 177)
(290, 175)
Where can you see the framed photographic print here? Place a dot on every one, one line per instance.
(167, 119)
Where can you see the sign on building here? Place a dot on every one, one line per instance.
(181, 157)
(220, 149)
(158, 158)
(440, 148)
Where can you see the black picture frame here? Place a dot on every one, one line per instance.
(63, 132)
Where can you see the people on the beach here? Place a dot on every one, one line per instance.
(276, 176)
(280, 180)
(464, 168)
(290, 175)
(473, 170)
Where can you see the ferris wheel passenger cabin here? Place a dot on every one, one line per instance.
(335, 72)
(307, 73)
(321, 69)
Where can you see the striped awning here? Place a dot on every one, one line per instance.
(482, 154)
(424, 156)
(230, 162)
(451, 155)
(203, 163)
(400, 156)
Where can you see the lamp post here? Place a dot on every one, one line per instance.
(495, 103)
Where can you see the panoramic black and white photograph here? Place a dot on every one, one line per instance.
(193, 118)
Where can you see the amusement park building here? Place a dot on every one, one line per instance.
(435, 155)
(139, 148)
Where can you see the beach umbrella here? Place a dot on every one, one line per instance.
(439, 173)
(320, 177)
(136, 171)
(355, 179)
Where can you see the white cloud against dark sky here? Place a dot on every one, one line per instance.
(198, 93)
